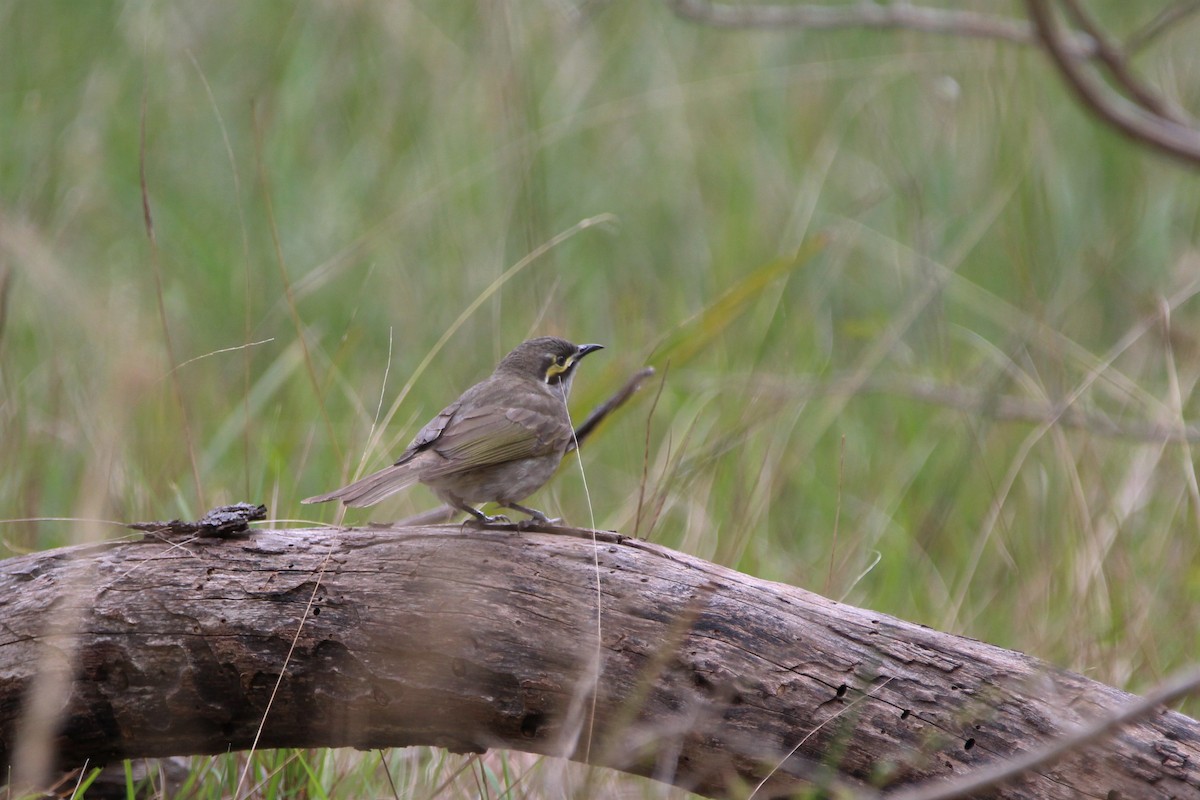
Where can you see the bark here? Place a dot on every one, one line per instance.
(699, 676)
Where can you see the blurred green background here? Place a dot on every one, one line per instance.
(817, 238)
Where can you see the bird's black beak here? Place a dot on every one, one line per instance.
(584, 349)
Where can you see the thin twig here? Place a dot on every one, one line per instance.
(248, 306)
(600, 412)
(976, 783)
(387, 773)
(445, 784)
(813, 731)
(837, 514)
(637, 519)
(598, 654)
(1002, 407)
(1117, 63)
(287, 659)
(1164, 21)
(285, 279)
(6, 281)
(156, 268)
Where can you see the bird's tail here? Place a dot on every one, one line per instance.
(370, 490)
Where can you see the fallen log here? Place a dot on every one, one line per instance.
(687, 672)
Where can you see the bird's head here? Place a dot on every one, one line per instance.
(547, 359)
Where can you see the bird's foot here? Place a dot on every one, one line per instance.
(479, 519)
(536, 518)
(485, 521)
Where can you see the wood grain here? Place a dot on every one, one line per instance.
(453, 637)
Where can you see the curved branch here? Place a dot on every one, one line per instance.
(1162, 134)
(1115, 60)
(465, 639)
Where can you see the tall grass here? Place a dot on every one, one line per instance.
(802, 221)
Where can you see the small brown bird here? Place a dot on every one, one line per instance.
(499, 442)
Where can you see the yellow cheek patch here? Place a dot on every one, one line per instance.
(558, 369)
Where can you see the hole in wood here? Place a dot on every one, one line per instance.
(530, 724)
(968, 744)
(841, 690)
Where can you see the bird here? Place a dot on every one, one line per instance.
(499, 442)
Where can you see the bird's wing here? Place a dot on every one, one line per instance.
(494, 435)
(430, 433)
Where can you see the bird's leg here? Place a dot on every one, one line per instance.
(534, 514)
(481, 519)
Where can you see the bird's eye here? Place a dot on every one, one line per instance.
(557, 365)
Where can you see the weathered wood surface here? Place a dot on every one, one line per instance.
(469, 639)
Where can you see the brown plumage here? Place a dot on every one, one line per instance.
(499, 442)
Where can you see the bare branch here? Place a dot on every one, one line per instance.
(601, 412)
(872, 15)
(1136, 123)
(1117, 62)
